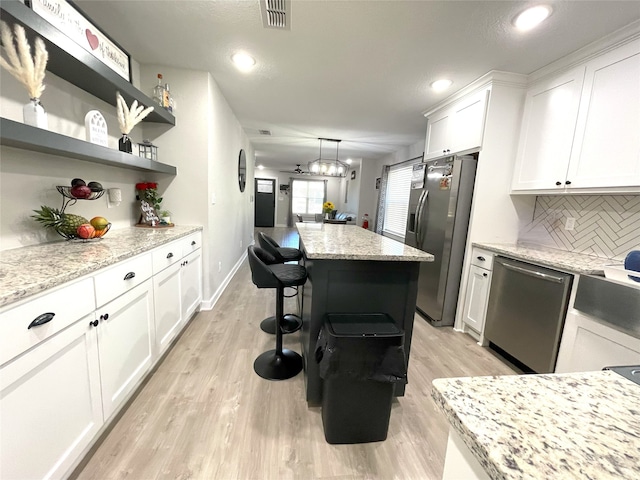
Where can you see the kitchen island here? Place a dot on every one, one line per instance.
(353, 270)
(578, 425)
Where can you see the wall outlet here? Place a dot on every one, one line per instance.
(219, 266)
(570, 223)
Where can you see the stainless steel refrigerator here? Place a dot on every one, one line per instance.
(437, 222)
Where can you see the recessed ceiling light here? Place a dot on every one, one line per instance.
(243, 61)
(349, 161)
(440, 85)
(260, 167)
(531, 17)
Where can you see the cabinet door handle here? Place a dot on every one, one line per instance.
(169, 255)
(482, 259)
(94, 323)
(193, 242)
(129, 275)
(558, 183)
(568, 182)
(186, 262)
(484, 275)
(104, 317)
(41, 319)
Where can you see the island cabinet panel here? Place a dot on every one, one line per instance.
(354, 286)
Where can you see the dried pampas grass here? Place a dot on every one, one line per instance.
(130, 117)
(28, 71)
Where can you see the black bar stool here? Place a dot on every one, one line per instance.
(290, 323)
(281, 363)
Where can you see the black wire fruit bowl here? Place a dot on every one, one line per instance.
(69, 199)
(98, 234)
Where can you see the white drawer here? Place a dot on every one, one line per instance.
(123, 276)
(482, 258)
(67, 304)
(191, 243)
(166, 255)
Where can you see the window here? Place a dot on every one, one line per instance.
(397, 201)
(307, 196)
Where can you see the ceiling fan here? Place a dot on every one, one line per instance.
(297, 170)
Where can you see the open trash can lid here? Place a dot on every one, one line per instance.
(361, 325)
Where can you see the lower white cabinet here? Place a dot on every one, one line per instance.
(50, 404)
(477, 292)
(191, 283)
(475, 305)
(588, 344)
(125, 344)
(72, 356)
(167, 305)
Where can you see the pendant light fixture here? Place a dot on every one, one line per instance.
(328, 166)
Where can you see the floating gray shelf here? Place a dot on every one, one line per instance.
(71, 62)
(26, 137)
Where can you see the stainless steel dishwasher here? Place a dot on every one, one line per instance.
(526, 311)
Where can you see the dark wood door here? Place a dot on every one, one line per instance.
(265, 206)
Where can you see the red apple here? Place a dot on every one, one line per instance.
(86, 230)
(81, 191)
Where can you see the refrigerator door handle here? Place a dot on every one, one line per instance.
(419, 213)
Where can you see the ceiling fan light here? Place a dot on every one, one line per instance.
(531, 17)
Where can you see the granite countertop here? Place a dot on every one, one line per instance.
(551, 257)
(577, 425)
(349, 242)
(30, 270)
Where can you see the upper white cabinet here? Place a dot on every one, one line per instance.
(580, 129)
(457, 127)
(548, 126)
(606, 147)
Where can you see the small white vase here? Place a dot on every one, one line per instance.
(34, 114)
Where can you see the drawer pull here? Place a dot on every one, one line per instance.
(41, 319)
(484, 275)
(482, 259)
(169, 255)
(104, 317)
(193, 242)
(129, 275)
(94, 323)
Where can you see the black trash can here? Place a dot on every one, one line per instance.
(361, 357)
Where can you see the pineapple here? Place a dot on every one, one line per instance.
(66, 224)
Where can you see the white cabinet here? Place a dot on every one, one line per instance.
(50, 404)
(588, 344)
(547, 130)
(579, 130)
(167, 305)
(606, 147)
(191, 283)
(125, 344)
(72, 356)
(457, 127)
(477, 292)
(177, 286)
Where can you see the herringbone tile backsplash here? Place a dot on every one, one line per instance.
(606, 225)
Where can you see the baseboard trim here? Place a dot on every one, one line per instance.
(210, 303)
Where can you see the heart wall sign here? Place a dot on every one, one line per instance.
(67, 18)
(94, 41)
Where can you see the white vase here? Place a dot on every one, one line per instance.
(34, 114)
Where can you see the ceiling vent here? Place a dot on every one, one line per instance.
(276, 13)
(265, 132)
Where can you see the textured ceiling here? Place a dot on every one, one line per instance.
(353, 70)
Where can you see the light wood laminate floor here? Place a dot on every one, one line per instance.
(204, 414)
